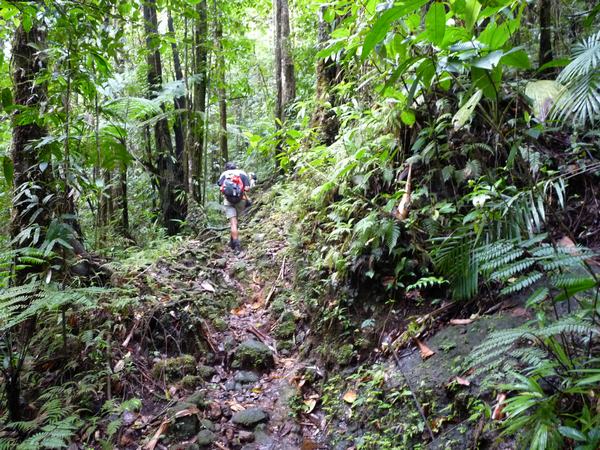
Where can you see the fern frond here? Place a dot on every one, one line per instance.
(522, 283)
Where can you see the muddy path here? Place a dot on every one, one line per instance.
(251, 374)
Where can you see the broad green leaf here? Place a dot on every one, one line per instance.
(382, 24)
(7, 99)
(408, 117)
(516, 58)
(8, 169)
(466, 111)
(435, 23)
(472, 9)
(489, 61)
(572, 433)
(487, 80)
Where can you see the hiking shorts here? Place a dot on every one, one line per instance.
(234, 210)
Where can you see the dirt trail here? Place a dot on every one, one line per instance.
(251, 383)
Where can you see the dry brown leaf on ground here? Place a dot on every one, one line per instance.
(462, 381)
(497, 413)
(425, 351)
(461, 321)
(161, 430)
(235, 406)
(207, 286)
(350, 397)
(187, 412)
(520, 312)
(239, 311)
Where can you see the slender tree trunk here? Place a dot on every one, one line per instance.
(278, 64)
(324, 118)
(545, 14)
(179, 102)
(124, 201)
(221, 93)
(170, 170)
(200, 87)
(288, 76)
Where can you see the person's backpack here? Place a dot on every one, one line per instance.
(233, 188)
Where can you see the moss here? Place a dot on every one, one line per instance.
(252, 354)
(343, 354)
(286, 328)
(191, 381)
(173, 369)
(219, 323)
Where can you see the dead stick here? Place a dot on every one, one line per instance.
(280, 276)
(414, 396)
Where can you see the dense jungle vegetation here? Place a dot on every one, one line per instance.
(420, 263)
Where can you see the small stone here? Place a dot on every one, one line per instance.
(205, 438)
(252, 354)
(214, 410)
(208, 425)
(229, 434)
(230, 384)
(250, 417)
(196, 399)
(246, 377)
(246, 436)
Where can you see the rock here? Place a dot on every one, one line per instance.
(205, 438)
(191, 381)
(206, 372)
(208, 425)
(231, 385)
(252, 354)
(250, 417)
(196, 399)
(246, 436)
(172, 369)
(214, 410)
(246, 377)
(186, 426)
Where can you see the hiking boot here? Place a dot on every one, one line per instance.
(236, 246)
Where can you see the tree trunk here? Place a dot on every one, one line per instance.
(288, 77)
(545, 13)
(179, 102)
(324, 118)
(221, 93)
(124, 202)
(285, 79)
(200, 87)
(170, 170)
(278, 64)
(32, 177)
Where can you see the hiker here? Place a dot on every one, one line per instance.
(234, 184)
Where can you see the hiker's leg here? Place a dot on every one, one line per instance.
(234, 228)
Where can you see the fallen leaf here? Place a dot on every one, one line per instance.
(520, 312)
(310, 405)
(161, 429)
(235, 406)
(119, 366)
(426, 352)
(350, 397)
(187, 412)
(461, 321)
(497, 413)
(239, 311)
(462, 381)
(207, 286)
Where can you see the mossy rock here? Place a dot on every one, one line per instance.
(191, 381)
(250, 417)
(183, 427)
(252, 354)
(205, 438)
(206, 372)
(343, 354)
(174, 369)
(287, 327)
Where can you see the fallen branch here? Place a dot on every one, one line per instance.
(161, 430)
(279, 277)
